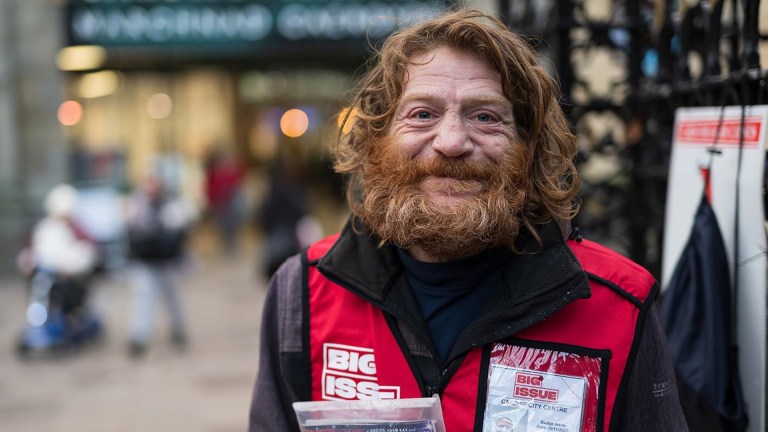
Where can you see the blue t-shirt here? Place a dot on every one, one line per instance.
(452, 295)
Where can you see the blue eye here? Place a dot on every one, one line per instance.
(485, 118)
(423, 115)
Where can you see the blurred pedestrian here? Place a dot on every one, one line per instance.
(158, 225)
(59, 245)
(58, 261)
(284, 218)
(223, 188)
(57, 241)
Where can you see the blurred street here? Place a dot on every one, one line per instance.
(102, 389)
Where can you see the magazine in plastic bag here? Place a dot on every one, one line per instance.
(398, 415)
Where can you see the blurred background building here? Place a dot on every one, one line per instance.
(98, 92)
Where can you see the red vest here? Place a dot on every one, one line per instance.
(573, 363)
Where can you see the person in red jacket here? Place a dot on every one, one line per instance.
(224, 176)
(457, 274)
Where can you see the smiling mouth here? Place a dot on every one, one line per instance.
(446, 187)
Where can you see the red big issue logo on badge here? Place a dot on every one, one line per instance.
(349, 373)
(530, 386)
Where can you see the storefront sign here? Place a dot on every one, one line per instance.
(158, 23)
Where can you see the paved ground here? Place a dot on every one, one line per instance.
(205, 389)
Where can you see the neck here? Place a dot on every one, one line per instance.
(419, 254)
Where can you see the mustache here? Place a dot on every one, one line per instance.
(392, 164)
(458, 169)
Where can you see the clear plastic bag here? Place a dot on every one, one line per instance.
(537, 389)
(399, 415)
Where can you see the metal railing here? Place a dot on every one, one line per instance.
(623, 71)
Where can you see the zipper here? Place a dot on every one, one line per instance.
(432, 390)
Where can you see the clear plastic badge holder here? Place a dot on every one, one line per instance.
(397, 415)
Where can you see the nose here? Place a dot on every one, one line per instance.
(452, 139)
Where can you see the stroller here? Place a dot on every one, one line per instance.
(58, 318)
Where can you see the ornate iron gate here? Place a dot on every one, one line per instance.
(662, 55)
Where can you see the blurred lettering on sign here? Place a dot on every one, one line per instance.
(228, 22)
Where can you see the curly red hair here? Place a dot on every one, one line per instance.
(532, 91)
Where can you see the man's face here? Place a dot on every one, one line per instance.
(452, 107)
(450, 178)
(504, 425)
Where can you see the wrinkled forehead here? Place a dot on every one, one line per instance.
(450, 62)
(425, 54)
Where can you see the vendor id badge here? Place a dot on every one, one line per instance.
(538, 390)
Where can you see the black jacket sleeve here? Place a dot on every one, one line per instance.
(271, 409)
(652, 403)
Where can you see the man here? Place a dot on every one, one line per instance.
(157, 226)
(453, 276)
(504, 424)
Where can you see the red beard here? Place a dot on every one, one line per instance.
(484, 212)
